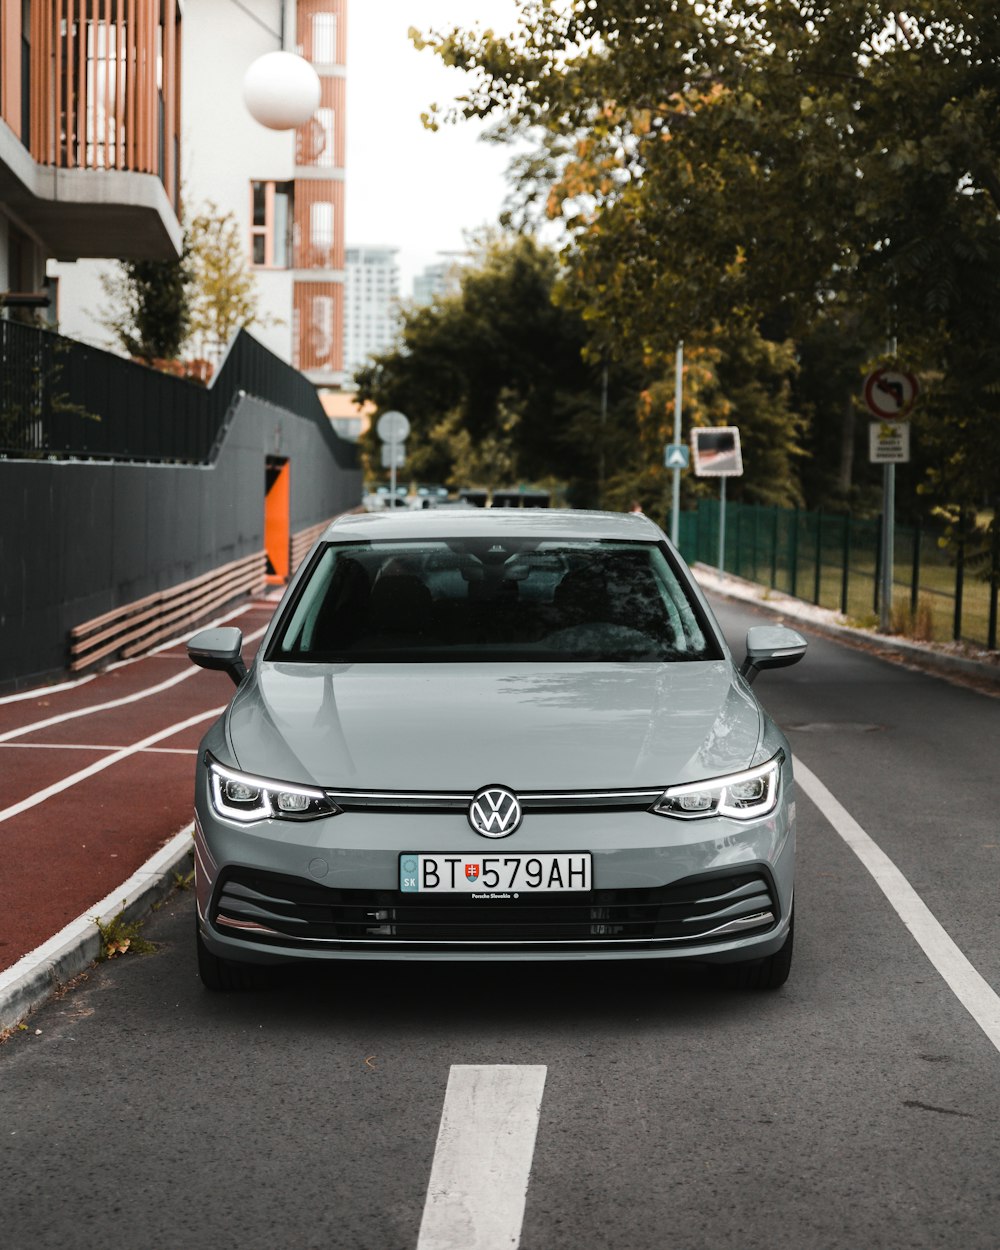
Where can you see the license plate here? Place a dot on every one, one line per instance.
(495, 875)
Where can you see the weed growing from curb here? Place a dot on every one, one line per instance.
(119, 937)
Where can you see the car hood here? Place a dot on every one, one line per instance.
(458, 727)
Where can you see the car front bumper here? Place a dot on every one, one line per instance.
(713, 890)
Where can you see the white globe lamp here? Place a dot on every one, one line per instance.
(281, 90)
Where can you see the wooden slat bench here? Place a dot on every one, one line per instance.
(137, 627)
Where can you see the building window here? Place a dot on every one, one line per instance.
(270, 224)
(321, 237)
(324, 38)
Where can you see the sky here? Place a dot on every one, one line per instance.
(408, 187)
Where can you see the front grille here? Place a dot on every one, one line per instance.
(288, 911)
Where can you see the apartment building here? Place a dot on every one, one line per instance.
(284, 189)
(441, 278)
(89, 137)
(371, 312)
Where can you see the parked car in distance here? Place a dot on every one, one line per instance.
(476, 735)
(380, 497)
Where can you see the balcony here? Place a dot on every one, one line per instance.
(89, 152)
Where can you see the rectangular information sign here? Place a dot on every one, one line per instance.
(717, 451)
(889, 442)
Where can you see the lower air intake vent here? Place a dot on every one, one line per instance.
(287, 911)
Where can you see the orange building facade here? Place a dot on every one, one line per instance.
(318, 194)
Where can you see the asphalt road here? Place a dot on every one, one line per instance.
(857, 1107)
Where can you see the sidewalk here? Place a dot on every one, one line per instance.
(981, 669)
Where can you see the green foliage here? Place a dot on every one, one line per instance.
(493, 379)
(119, 937)
(502, 384)
(150, 306)
(200, 300)
(224, 292)
(825, 173)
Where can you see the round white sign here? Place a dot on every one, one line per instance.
(393, 427)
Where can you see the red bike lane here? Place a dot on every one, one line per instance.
(96, 778)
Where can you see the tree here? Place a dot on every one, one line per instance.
(502, 383)
(224, 297)
(494, 378)
(157, 308)
(150, 306)
(781, 164)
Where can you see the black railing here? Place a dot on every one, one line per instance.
(60, 399)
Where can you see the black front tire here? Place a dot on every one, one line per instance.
(227, 975)
(766, 974)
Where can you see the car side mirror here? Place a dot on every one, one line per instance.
(220, 649)
(771, 646)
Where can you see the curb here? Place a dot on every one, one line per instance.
(33, 979)
(826, 621)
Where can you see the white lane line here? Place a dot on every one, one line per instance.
(100, 765)
(482, 1161)
(62, 717)
(39, 692)
(146, 693)
(90, 746)
(972, 990)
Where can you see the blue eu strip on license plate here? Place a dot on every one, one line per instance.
(484, 875)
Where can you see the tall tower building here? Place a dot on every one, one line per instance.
(371, 313)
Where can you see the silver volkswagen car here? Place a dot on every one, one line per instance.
(494, 735)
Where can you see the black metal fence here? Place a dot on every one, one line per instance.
(941, 590)
(60, 399)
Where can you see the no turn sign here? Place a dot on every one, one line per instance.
(890, 393)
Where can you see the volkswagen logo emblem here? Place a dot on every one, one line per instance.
(494, 812)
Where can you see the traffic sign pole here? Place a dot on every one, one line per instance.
(675, 509)
(392, 428)
(889, 555)
(889, 395)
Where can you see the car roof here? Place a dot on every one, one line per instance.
(551, 523)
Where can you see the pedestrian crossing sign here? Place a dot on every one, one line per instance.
(677, 455)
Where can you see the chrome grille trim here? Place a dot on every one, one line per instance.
(759, 921)
(530, 800)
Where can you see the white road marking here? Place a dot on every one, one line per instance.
(146, 693)
(90, 746)
(100, 765)
(971, 989)
(482, 1162)
(39, 692)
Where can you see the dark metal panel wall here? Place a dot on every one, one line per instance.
(78, 539)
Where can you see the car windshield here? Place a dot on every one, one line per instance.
(492, 599)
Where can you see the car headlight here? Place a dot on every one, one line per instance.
(740, 796)
(239, 796)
